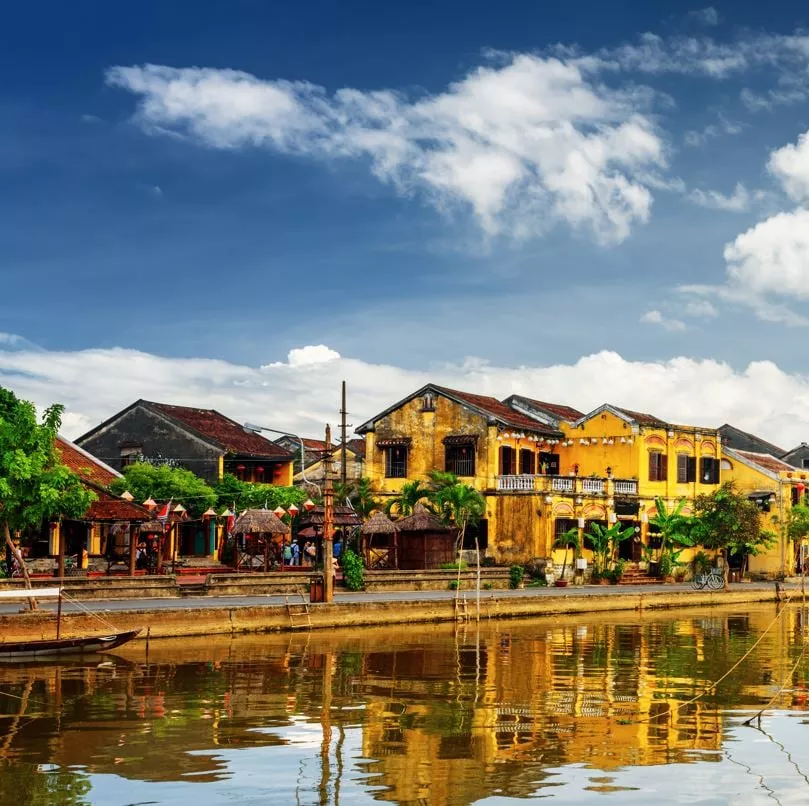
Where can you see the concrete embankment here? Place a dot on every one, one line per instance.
(207, 618)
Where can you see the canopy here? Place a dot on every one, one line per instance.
(379, 524)
(259, 521)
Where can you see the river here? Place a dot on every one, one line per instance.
(578, 710)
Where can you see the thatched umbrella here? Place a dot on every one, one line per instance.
(259, 522)
(422, 520)
(378, 524)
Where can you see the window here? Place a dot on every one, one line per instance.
(396, 462)
(709, 470)
(562, 525)
(508, 461)
(686, 468)
(460, 460)
(428, 402)
(796, 496)
(658, 466)
(549, 463)
(130, 454)
(805, 464)
(527, 460)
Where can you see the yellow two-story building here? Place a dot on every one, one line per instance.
(542, 468)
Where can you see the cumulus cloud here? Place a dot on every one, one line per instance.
(700, 309)
(522, 145)
(790, 165)
(736, 202)
(302, 396)
(655, 317)
(705, 16)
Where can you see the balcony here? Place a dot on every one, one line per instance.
(570, 485)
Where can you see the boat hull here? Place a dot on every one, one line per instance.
(14, 650)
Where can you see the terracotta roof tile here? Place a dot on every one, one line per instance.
(641, 418)
(557, 409)
(766, 461)
(357, 445)
(111, 508)
(83, 464)
(223, 431)
(499, 411)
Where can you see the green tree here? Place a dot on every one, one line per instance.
(245, 494)
(166, 483)
(605, 541)
(412, 493)
(565, 541)
(359, 494)
(728, 522)
(34, 484)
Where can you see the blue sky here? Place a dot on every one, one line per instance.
(184, 210)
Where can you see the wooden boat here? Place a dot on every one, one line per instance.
(21, 650)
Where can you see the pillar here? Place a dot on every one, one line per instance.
(328, 535)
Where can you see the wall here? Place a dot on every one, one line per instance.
(158, 438)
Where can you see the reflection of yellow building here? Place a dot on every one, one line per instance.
(543, 468)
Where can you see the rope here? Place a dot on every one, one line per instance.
(727, 674)
(89, 612)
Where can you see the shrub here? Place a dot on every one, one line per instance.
(487, 586)
(702, 563)
(461, 566)
(488, 562)
(454, 585)
(516, 574)
(353, 571)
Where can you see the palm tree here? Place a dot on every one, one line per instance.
(565, 541)
(411, 493)
(461, 505)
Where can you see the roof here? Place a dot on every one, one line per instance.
(764, 461)
(422, 520)
(109, 507)
(641, 418)
(556, 410)
(222, 431)
(84, 464)
(259, 521)
(378, 524)
(744, 440)
(356, 445)
(342, 516)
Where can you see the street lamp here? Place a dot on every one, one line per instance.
(252, 428)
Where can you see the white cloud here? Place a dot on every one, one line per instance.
(523, 145)
(773, 256)
(712, 131)
(96, 383)
(655, 317)
(705, 16)
(737, 202)
(700, 309)
(790, 165)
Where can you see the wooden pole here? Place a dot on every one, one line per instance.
(343, 426)
(60, 557)
(32, 603)
(59, 616)
(328, 526)
(134, 537)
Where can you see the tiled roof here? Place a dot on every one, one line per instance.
(83, 464)
(499, 411)
(357, 445)
(641, 418)
(556, 409)
(314, 444)
(111, 508)
(221, 430)
(728, 431)
(766, 461)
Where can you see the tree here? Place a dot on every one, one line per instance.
(675, 531)
(359, 494)
(34, 484)
(565, 541)
(166, 483)
(727, 521)
(245, 494)
(411, 493)
(605, 541)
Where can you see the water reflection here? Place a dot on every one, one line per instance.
(440, 715)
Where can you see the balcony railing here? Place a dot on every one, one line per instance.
(592, 486)
(571, 485)
(626, 487)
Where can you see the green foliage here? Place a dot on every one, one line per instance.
(454, 585)
(666, 567)
(674, 527)
(487, 586)
(246, 494)
(489, 562)
(164, 483)
(565, 541)
(516, 574)
(359, 494)
(34, 484)
(702, 563)
(798, 523)
(461, 566)
(605, 541)
(412, 493)
(353, 571)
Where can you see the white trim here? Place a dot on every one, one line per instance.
(31, 593)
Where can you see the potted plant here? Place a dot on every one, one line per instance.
(568, 539)
(516, 575)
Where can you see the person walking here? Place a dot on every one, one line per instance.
(287, 554)
(296, 553)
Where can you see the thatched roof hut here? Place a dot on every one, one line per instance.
(259, 521)
(422, 520)
(378, 524)
(342, 516)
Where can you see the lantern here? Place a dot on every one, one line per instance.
(293, 510)
(308, 504)
(209, 513)
(227, 513)
(150, 503)
(279, 512)
(179, 509)
(127, 496)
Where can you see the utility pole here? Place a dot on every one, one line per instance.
(328, 524)
(343, 427)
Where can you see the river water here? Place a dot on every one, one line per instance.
(577, 710)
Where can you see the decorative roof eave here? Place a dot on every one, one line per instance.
(731, 453)
(391, 442)
(460, 439)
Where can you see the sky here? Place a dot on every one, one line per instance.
(237, 205)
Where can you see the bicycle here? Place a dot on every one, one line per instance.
(713, 580)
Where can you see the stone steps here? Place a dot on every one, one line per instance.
(634, 576)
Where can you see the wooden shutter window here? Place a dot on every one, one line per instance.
(658, 466)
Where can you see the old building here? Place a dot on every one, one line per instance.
(797, 457)
(201, 440)
(542, 468)
(744, 441)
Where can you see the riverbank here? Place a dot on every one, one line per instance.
(172, 618)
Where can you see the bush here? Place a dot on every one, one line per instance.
(702, 563)
(488, 562)
(487, 586)
(454, 585)
(461, 566)
(516, 574)
(353, 571)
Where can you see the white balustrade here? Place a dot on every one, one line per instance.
(592, 486)
(563, 484)
(516, 483)
(626, 487)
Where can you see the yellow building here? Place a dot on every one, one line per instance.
(542, 468)
(776, 486)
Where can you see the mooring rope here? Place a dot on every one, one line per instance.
(727, 674)
(89, 612)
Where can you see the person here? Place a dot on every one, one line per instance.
(84, 557)
(310, 553)
(337, 549)
(296, 554)
(335, 567)
(287, 554)
(141, 560)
